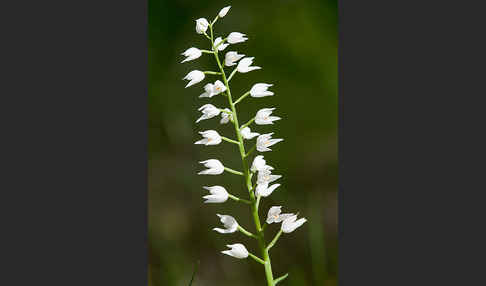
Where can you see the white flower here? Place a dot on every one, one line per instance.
(235, 37)
(219, 87)
(191, 54)
(218, 194)
(221, 46)
(208, 90)
(224, 11)
(211, 90)
(263, 116)
(244, 65)
(237, 250)
(201, 25)
(265, 176)
(231, 58)
(194, 77)
(225, 117)
(211, 137)
(247, 134)
(264, 190)
(264, 141)
(289, 224)
(275, 216)
(258, 163)
(260, 90)
(208, 111)
(229, 222)
(214, 167)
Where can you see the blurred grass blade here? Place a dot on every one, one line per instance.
(281, 278)
(194, 273)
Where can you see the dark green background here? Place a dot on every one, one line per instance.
(295, 42)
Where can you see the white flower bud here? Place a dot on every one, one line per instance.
(258, 163)
(247, 134)
(237, 250)
(261, 90)
(215, 167)
(264, 190)
(264, 141)
(229, 222)
(194, 77)
(208, 111)
(191, 54)
(220, 46)
(263, 116)
(201, 25)
(231, 58)
(218, 194)
(290, 223)
(236, 37)
(211, 137)
(275, 216)
(224, 11)
(244, 65)
(211, 90)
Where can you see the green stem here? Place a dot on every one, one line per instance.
(248, 123)
(246, 173)
(244, 231)
(281, 278)
(257, 259)
(233, 171)
(229, 140)
(232, 74)
(242, 97)
(251, 150)
(211, 72)
(274, 240)
(235, 198)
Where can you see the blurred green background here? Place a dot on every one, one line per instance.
(295, 42)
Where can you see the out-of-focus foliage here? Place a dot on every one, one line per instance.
(296, 44)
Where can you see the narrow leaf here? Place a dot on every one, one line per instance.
(194, 273)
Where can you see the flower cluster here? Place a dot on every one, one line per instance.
(259, 178)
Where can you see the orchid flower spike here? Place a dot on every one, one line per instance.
(264, 190)
(194, 77)
(208, 111)
(258, 164)
(224, 11)
(247, 134)
(211, 137)
(237, 250)
(275, 216)
(211, 90)
(201, 25)
(225, 117)
(244, 65)
(229, 222)
(191, 54)
(218, 194)
(290, 223)
(236, 37)
(264, 141)
(263, 116)
(217, 42)
(215, 167)
(261, 90)
(231, 58)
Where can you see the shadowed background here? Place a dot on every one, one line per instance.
(295, 43)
